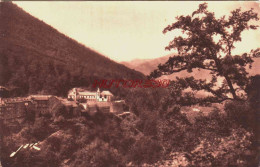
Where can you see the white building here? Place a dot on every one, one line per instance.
(77, 94)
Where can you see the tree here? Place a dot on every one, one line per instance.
(207, 43)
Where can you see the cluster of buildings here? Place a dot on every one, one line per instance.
(90, 100)
(98, 96)
(16, 107)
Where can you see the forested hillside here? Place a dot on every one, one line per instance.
(34, 57)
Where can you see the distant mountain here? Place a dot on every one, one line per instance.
(36, 57)
(146, 66)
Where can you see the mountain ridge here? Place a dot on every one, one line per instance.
(146, 66)
(41, 53)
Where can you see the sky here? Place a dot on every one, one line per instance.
(128, 30)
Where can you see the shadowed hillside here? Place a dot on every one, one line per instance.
(36, 57)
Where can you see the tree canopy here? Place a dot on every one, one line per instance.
(207, 43)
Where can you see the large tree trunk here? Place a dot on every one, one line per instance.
(230, 85)
(232, 90)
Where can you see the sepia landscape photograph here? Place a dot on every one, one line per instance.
(129, 84)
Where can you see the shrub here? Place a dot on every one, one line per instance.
(145, 150)
(240, 113)
(98, 154)
(41, 129)
(232, 150)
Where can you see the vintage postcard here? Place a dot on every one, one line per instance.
(129, 84)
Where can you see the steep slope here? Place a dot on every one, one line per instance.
(36, 57)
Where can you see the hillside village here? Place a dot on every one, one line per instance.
(87, 101)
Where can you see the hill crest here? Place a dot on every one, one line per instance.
(32, 51)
